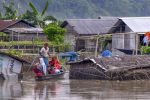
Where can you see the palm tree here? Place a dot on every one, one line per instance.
(10, 11)
(36, 17)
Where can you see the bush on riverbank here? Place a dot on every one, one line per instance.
(145, 50)
(15, 53)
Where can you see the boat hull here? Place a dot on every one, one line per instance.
(49, 76)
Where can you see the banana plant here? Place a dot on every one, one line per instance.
(10, 12)
(36, 17)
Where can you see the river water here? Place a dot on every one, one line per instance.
(65, 89)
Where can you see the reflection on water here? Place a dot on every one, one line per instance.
(9, 90)
(42, 91)
(66, 89)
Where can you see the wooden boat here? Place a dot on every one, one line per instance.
(46, 76)
(50, 76)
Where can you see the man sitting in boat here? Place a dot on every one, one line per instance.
(55, 66)
(38, 70)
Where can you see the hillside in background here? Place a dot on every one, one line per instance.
(63, 9)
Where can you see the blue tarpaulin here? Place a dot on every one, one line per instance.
(71, 56)
(106, 53)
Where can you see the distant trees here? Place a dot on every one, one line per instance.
(10, 12)
(81, 8)
(52, 30)
(36, 17)
(33, 15)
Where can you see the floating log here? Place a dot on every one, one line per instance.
(112, 68)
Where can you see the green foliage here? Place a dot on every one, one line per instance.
(1, 16)
(145, 50)
(36, 17)
(58, 47)
(34, 10)
(10, 11)
(15, 53)
(85, 8)
(3, 34)
(55, 33)
(20, 43)
(45, 9)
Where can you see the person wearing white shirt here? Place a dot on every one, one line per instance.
(44, 52)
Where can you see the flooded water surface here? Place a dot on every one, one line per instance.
(65, 89)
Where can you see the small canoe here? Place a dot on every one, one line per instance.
(50, 76)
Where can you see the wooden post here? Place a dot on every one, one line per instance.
(18, 36)
(102, 45)
(12, 37)
(37, 35)
(96, 45)
(136, 43)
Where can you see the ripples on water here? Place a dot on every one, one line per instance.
(65, 89)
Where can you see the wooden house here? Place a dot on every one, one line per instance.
(80, 32)
(128, 32)
(20, 30)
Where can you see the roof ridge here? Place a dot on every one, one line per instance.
(11, 23)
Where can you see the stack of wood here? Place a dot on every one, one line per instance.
(112, 68)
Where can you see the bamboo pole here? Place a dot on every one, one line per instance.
(136, 43)
(96, 45)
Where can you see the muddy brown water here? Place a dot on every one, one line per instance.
(65, 89)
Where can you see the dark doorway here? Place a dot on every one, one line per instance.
(80, 44)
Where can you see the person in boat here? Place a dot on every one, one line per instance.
(145, 40)
(44, 53)
(38, 69)
(55, 65)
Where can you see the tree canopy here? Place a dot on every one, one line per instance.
(55, 33)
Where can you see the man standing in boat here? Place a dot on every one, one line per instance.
(44, 52)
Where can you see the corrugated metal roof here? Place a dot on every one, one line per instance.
(7, 23)
(26, 30)
(137, 24)
(91, 26)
